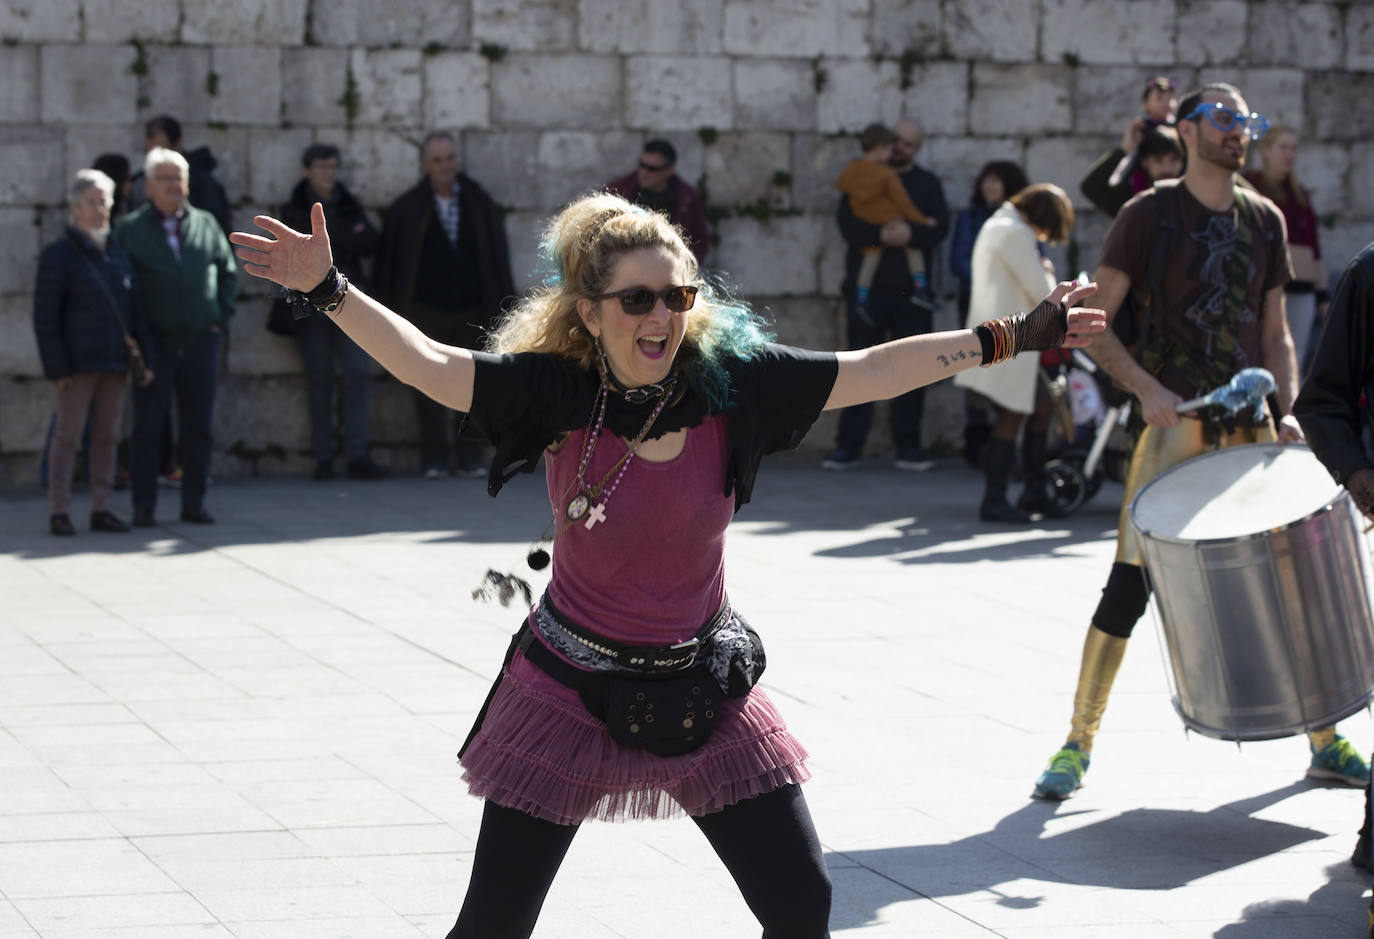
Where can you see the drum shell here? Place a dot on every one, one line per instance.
(1271, 634)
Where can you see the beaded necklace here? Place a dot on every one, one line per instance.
(580, 505)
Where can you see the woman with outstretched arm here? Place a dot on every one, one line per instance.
(630, 689)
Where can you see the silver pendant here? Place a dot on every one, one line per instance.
(578, 506)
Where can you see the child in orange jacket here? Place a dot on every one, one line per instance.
(877, 196)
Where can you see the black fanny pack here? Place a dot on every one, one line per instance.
(666, 699)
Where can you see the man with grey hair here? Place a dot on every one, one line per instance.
(444, 264)
(186, 273)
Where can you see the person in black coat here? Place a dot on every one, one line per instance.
(353, 239)
(1334, 407)
(444, 264)
(85, 303)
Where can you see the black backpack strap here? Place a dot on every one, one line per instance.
(1168, 225)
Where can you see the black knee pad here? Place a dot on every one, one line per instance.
(1123, 600)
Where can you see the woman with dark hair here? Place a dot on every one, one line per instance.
(997, 182)
(629, 690)
(1010, 274)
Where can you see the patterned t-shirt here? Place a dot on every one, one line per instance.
(1197, 275)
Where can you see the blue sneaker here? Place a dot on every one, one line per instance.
(1063, 775)
(1339, 761)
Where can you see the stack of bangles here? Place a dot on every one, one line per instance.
(998, 339)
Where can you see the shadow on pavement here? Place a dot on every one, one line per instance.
(1142, 849)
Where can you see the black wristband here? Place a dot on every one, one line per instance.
(325, 288)
(1323, 296)
(985, 339)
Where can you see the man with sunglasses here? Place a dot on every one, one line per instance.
(1205, 261)
(655, 184)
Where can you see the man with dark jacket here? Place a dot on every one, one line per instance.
(655, 184)
(444, 264)
(352, 239)
(895, 309)
(1334, 406)
(187, 276)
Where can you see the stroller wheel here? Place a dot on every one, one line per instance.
(1078, 459)
(1068, 489)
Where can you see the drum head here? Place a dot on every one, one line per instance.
(1234, 492)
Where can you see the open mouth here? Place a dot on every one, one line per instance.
(653, 347)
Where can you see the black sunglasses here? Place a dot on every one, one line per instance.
(636, 301)
(654, 169)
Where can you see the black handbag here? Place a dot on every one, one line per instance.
(280, 319)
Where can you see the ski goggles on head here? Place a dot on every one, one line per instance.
(1224, 119)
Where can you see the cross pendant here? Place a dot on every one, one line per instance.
(597, 514)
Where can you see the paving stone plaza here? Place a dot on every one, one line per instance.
(248, 730)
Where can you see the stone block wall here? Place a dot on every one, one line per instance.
(550, 98)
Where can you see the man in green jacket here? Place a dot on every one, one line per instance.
(186, 273)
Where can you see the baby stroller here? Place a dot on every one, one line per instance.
(1088, 437)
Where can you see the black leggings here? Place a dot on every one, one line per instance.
(768, 844)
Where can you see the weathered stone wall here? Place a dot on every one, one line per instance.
(551, 97)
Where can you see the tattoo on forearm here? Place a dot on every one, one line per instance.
(958, 355)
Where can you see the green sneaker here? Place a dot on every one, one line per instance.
(1063, 775)
(1340, 761)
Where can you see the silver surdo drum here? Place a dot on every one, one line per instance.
(1262, 581)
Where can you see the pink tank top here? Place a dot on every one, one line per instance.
(654, 571)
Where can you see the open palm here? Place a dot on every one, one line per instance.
(289, 258)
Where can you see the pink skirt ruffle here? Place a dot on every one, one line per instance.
(540, 752)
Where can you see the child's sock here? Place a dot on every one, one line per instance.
(862, 297)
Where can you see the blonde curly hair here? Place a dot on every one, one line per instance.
(579, 251)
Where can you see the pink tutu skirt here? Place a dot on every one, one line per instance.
(539, 751)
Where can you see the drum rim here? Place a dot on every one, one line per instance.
(1341, 496)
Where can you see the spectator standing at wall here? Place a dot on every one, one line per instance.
(1277, 178)
(1009, 273)
(443, 263)
(895, 310)
(997, 182)
(353, 239)
(186, 275)
(655, 184)
(877, 196)
(85, 304)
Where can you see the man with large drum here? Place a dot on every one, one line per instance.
(1335, 401)
(1203, 263)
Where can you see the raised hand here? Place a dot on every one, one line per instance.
(289, 258)
(1059, 322)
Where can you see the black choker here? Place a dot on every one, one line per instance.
(644, 393)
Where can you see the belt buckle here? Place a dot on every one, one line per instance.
(672, 658)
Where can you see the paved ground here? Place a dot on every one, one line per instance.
(248, 730)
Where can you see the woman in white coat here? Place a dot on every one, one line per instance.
(1008, 273)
